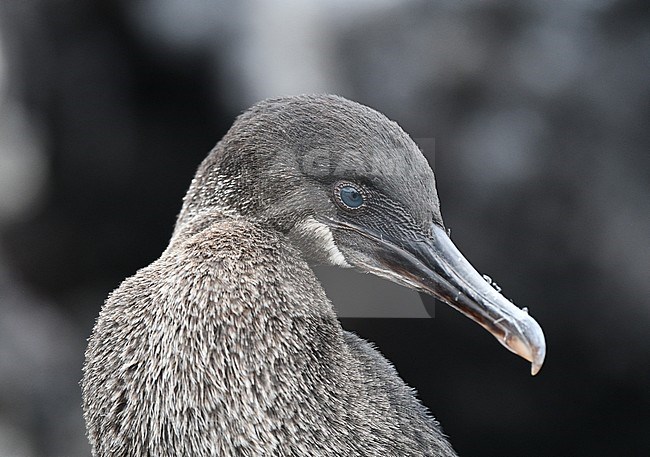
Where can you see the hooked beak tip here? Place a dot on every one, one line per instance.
(530, 345)
(538, 361)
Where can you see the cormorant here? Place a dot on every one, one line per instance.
(227, 344)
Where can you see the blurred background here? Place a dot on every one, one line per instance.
(539, 111)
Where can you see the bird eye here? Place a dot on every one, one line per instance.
(349, 196)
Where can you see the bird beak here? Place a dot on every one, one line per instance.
(434, 265)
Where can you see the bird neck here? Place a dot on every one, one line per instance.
(247, 293)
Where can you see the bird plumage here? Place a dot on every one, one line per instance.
(227, 345)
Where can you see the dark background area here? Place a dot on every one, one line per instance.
(539, 112)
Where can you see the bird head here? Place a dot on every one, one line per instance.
(350, 188)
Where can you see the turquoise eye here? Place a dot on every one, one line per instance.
(350, 196)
